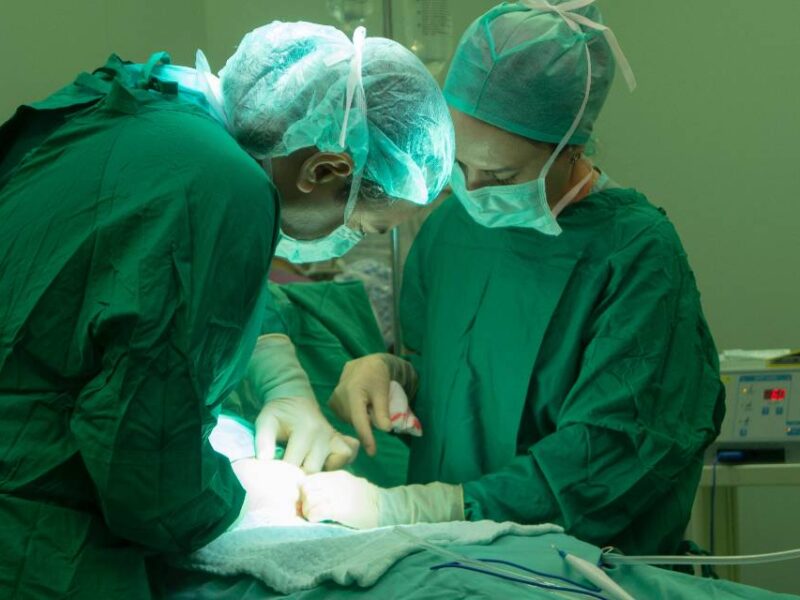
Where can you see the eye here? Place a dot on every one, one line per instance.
(503, 180)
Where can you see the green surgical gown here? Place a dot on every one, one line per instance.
(135, 242)
(567, 379)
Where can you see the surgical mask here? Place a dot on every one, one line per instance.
(519, 205)
(342, 239)
(337, 243)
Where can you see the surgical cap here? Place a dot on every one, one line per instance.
(524, 70)
(285, 89)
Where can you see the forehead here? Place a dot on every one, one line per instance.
(484, 146)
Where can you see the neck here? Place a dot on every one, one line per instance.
(582, 168)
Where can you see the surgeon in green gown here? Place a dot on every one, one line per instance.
(140, 207)
(562, 368)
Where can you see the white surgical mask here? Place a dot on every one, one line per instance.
(522, 204)
(337, 243)
(518, 205)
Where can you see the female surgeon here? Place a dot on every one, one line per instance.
(562, 370)
(140, 207)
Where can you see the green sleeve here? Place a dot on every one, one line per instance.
(413, 299)
(182, 251)
(631, 431)
(279, 315)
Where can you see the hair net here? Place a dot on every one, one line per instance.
(286, 88)
(524, 69)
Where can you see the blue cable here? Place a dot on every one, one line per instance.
(590, 588)
(458, 565)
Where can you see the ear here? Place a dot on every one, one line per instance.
(323, 168)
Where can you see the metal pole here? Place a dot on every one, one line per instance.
(388, 32)
(396, 281)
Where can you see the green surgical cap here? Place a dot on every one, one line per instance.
(285, 89)
(524, 70)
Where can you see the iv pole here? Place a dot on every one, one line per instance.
(395, 233)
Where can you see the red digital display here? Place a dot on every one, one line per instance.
(775, 395)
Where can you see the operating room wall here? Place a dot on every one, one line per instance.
(45, 43)
(710, 134)
(228, 20)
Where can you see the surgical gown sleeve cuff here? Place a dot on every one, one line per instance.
(473, 511)
(430, 503)
(275, 372)
(520, 492)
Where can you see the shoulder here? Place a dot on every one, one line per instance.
(179, 173)
(175, 153)
(648, 227)
(646, 252)
(631, 224)
(184, 141)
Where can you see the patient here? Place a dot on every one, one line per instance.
(272, 486)
(272, 493)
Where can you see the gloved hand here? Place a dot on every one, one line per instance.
(357, 503)
(311, 441)
(362, 396)
(290, 411)
(272, 491)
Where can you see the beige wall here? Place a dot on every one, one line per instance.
(228, 20)
(45, 43)
(710, 134)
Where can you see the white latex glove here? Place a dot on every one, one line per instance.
(272, 488)
(355, 502)
(311, 442)
(290, 412)
(362, 396)
(341, 497)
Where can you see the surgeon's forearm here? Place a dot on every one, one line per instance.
(558, 481)
(518, 493)
(275, 372)
(402, 372)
